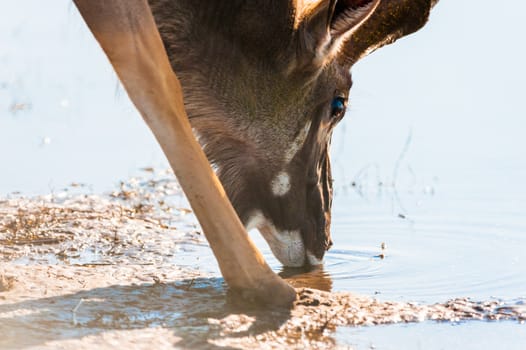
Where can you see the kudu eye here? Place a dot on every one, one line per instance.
(338, 107)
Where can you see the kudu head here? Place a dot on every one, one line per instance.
(265, 82)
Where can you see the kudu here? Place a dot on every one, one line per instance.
(264, 82)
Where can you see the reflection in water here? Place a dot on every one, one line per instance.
(185, 307)
(197, 312)
(467, 240)
(308, 277)
(112, 250)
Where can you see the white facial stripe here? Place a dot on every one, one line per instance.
(297, 143)
(256, 220)
(280, 185)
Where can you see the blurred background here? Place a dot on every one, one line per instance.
(450, 98)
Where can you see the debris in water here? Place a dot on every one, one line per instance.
(113, 256)
(46, 141)
(19, 107)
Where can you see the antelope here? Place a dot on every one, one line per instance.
(253, 88)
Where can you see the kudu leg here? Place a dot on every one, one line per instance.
(126, 31)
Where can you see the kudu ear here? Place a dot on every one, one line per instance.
(325, 25)
(391, 20)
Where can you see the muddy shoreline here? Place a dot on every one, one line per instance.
(80, 270)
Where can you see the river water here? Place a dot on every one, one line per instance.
(429, 163)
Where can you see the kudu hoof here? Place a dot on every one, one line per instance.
(269, 294)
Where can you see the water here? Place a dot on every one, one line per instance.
(433, 336)
(430, 161)
(447, 246)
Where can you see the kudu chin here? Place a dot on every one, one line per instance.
(264, 82)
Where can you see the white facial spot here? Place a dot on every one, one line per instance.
(313, 260)
(297, 143)
(280, 185)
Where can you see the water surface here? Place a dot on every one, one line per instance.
(429, 163)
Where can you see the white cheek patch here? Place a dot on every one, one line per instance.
(297, 143)
(280, 185)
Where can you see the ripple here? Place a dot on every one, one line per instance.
(430, 257)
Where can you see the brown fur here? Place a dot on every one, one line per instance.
(259, 76)
(254, 73)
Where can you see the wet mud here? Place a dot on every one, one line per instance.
(123, 270)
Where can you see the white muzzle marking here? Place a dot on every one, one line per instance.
(287, 246)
